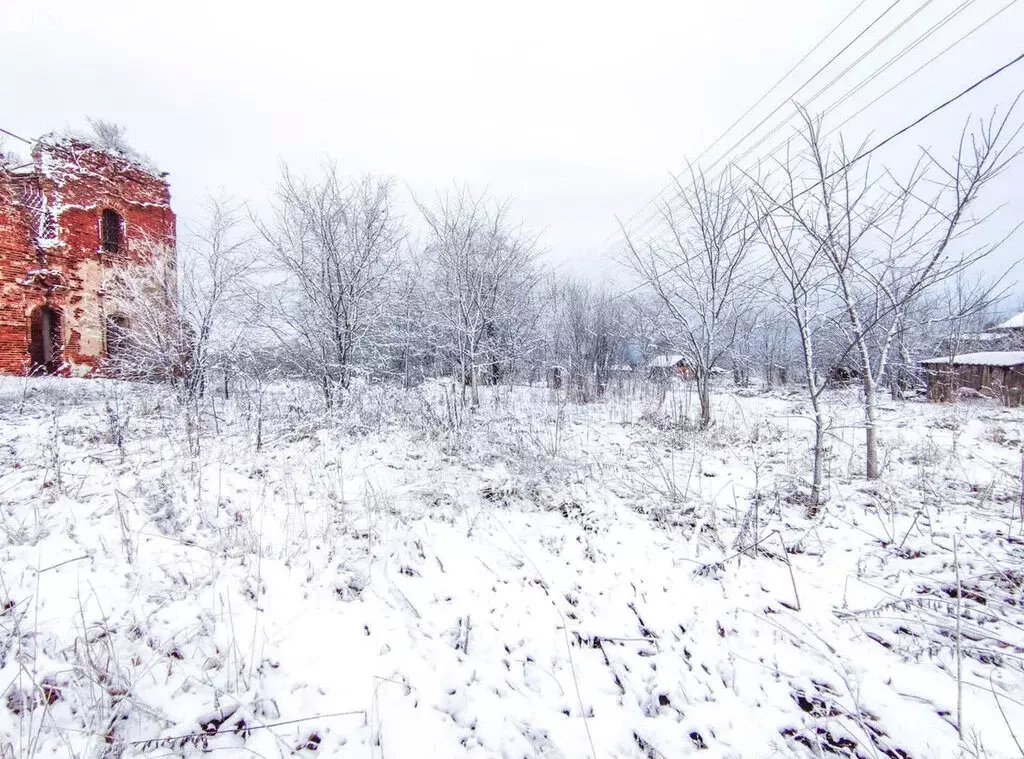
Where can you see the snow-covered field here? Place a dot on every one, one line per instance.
(535, 579)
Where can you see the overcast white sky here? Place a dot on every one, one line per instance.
(576, 111)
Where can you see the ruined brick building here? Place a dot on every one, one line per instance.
(65, 220)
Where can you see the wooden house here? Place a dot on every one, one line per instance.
(994, 374)
(667, 365)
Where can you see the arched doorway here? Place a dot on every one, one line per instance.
(45, 347)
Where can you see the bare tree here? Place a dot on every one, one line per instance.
(699, 271)
(335, 245)
(408, 342)
(801, 273)
(166, 318)
(112, 137)
(764, 341)
(887, 246)
(591, 322)
(214, 270)
(483, 269)
(959, 313)
(147, 338)
(774, 343)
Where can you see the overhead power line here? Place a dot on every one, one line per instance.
(770, 90)
(925, 117)
(927, 63)
(790, 97)
(660, 222)
(879, 145)
(927, 34)
(779, 81)
(17, 137)
(878, 43)
(840, 75)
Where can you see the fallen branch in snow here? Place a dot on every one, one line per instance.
(909, 530)
(1022, 495)
(406, 603)
(608, 663)
(706, 570)
(650, 751)
(593, 640)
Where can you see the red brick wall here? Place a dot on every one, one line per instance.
(65, 268)
(17, 256)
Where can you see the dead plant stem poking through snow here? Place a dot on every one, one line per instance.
(959, 641)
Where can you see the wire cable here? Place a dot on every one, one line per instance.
(927, 63)
(771, 89)
(17, 137)
(846, 96)
(878, 146)
(658, 218)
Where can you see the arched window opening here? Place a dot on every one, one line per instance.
(117, 336)
(45, 347)
(111, 231)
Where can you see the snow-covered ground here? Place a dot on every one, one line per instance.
(535, 579)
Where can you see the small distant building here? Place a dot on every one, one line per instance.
(669, 365)
(994, 374)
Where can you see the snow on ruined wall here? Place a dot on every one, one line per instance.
(51, 252)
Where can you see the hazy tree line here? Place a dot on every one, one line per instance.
(820, 267)
(330, 286)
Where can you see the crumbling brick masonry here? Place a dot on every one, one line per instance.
(64, 222)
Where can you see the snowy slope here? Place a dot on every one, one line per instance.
(536, 579)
